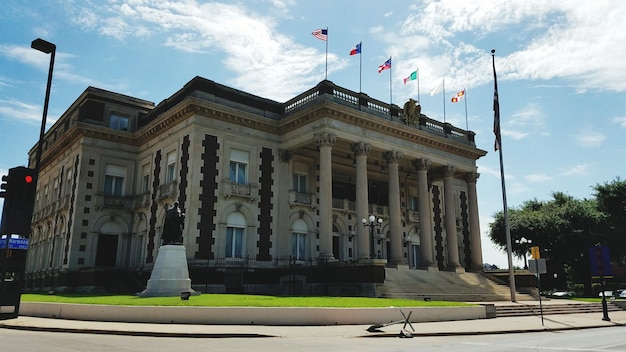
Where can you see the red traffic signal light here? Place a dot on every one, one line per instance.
(19, 201)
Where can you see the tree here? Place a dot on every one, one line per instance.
(611, 198)
(563, 228)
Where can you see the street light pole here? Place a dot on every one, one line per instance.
(372, 222)
(47, 48)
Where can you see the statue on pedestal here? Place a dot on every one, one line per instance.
(173, 226)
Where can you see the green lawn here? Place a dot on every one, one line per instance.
(227, 300)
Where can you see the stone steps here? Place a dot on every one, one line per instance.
(552, 308)
(442, 285)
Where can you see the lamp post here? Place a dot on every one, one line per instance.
(47, 48)
(372, 222)
(524, 242)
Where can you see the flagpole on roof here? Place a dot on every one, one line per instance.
(390, 95)
(465, 96)
(326, 77)
(444, 100)
(498, 147)
(360, 65)
(417, 70)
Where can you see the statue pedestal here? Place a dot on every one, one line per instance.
(170, 274)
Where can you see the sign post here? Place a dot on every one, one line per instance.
(537, 266)
(600, 262)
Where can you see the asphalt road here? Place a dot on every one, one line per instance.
(607, 339)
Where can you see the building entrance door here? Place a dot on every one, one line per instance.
(106, 254)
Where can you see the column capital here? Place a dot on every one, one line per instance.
(472, 177)
(449, 171)
(421, 164)
(325, 139)
(392, 157)
(361, 148)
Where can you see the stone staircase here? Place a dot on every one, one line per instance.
(518, 310)
(402, 282)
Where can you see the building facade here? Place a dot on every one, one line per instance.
(264, 185)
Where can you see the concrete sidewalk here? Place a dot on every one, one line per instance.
(466, 327)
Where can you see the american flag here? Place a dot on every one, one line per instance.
(321, 34)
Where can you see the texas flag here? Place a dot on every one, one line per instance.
(356, 49)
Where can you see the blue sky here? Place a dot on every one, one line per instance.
(561, 71)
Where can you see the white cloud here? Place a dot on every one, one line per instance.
(538, 178)
(579, 169)
(619, 120)
(590, 139)
(17, 110)
(265, 61)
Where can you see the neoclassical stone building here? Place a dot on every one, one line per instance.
(274, 193)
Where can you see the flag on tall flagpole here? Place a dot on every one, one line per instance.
(321, 34)
(498, 147)
(356, 49)
(458, 97)
(436, 89)
(386, 65)
(411, 77)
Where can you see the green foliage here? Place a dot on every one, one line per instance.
(226, 300)
(564, 228)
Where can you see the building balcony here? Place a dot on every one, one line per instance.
(412, 216)
(241, 190)
(111, 201)
(168, 190)
(142, 200)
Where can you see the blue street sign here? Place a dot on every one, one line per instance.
(600, 261)
(14, 243)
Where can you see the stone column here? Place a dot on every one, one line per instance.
(325, 142)
(450, 216)
(474, 221)
(425, 224)
(363, 244)
(395, 212)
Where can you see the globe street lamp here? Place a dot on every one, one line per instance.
(524, 243)
(47, 48)
(372, 222)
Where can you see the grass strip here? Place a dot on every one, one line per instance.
(237, 300)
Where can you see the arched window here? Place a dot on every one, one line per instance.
(235, 230)
(298, 240)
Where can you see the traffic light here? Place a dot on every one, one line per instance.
(20, 186)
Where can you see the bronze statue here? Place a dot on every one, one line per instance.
(173, 226)
(412, 112)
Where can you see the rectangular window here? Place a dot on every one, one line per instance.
(113, 185)
(412, 203)
(170, 169)
(298, 246)
(234, 242)
(239, 166)
(299, 183)
(114, 176)
(145, 180)
(118, 122)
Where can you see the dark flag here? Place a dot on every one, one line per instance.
(496, 107)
